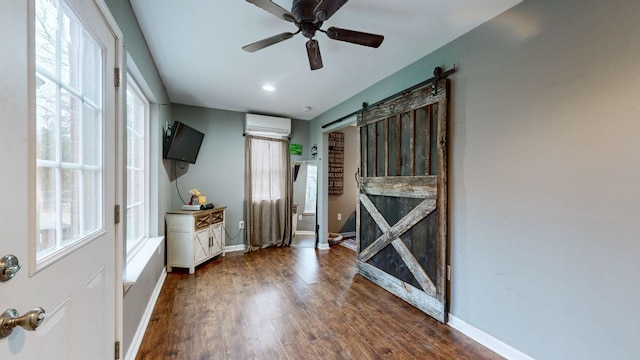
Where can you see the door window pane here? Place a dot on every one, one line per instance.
(46, 118)
(47, 183)
(71, 47)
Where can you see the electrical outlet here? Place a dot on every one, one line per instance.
(241, 225)
(339, 216)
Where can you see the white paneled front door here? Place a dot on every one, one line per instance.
(56, 213)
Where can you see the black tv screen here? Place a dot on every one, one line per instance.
(183, 143)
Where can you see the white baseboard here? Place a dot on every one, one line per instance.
(348, 234)
(233, 248)
(305, 232)
(487, 340)
(144, 322)
(323, 246)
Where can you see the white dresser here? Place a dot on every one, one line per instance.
(194, 237)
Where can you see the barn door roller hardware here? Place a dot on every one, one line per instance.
(438, 75)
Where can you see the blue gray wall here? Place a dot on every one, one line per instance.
(544, 175)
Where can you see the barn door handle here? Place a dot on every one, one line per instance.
(29, 321)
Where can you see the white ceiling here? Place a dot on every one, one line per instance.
(196, 45)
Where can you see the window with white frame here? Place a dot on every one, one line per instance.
(137, 167)
(69, 121)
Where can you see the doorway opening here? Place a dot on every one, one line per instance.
(340, 191)
(305, 191)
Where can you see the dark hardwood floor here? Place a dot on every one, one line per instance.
(292, 303)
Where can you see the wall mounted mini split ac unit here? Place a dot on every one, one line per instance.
(267, 125)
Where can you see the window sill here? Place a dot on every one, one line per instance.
(139, 261)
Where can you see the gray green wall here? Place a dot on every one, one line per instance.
(219, 170)
(544, 175)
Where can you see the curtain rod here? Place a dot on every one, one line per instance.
(437, 75)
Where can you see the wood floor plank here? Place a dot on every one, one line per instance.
(292, 303)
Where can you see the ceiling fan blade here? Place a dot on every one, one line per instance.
(355, 37)
(267, 42)
(273, 8)
(326, 9)
(313, 51)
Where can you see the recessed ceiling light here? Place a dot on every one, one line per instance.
(306, 108)
(268, 87)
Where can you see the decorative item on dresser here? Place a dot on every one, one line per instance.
(194, 237)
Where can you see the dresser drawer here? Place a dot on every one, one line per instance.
(217, 217)
(180, 222)
(202, 221)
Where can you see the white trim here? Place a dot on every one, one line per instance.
(233, 248)
(144, 322)
(323, 246)
(305, 232)
(487, 340)
(348, 234)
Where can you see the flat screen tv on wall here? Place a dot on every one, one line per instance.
(183, 143)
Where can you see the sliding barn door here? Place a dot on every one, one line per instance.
(402, 203)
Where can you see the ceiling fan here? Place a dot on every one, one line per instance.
(308, 16)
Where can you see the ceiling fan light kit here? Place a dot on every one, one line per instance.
(308, 16)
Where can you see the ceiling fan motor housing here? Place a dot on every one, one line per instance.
(303, 10)
(308, 29)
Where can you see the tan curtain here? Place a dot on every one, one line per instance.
(268, 192)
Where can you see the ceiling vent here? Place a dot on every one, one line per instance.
(267, 125)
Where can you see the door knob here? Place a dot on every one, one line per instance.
(29, 321)
(9, 266)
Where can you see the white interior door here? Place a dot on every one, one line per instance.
(75, 281)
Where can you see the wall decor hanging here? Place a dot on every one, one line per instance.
(336, 163)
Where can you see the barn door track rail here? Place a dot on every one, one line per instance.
(438, 75)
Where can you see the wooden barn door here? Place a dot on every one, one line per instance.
(402, 202)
